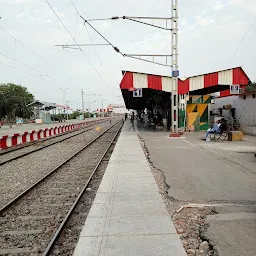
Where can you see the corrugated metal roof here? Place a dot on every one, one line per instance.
(184, 78)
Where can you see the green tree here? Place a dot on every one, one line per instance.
(13, 102)
(74, 115)
(86, 115)
(251, 86)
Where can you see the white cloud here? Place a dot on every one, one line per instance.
(218, 5)
(210, 32)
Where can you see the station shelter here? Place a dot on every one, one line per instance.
(194, 94)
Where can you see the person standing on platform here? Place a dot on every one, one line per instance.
(132, 121)
(125, 116)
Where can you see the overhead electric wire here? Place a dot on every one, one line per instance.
(9, 66)
(21, 43)
(78, 14)
(117, 49)
(73, 45)
(137, 19)
(88, 34)
(114, 47)
(36, 70)
(33, 52)
(145, 23)
(243, 38)
(76, 42)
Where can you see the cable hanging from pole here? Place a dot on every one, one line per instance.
(76, 43)
(138, 20)
(133, 56)
(114, 47)
(73, 45)
(98, 56)
(32, 68)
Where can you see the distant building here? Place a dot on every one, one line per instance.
(117, 109)
(241, 107)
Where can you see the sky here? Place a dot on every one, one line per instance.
(213, 35)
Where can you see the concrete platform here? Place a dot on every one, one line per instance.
(128, 216)
(219, 173)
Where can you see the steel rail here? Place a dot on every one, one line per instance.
(28, 144)
(65, 220)
(46, 146)
(22, 194)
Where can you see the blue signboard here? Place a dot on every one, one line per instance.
(234, 89)
(175, 73)
(137, 93)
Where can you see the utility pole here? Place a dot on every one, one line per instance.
(64, 95)
(82, 96)
(175, 70)
(102, 108)
(67, 108)
(87, 96)
(102, 100)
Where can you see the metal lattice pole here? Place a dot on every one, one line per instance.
(175, 107)
(82, 96)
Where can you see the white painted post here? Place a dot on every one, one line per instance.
(175, 107)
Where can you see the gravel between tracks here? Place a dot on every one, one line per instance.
(18, 175)
(28, 225)
(40, 144)
(68, 239)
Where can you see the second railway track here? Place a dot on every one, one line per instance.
(21, 151)
(31, 223)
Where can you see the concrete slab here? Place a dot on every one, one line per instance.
(212, 173)
(128, 225)
(204, 171)
(128, 209)
(231, 216)
(127, 197)
(132, 187)
(128, 216)
(235, 237)
(150, 245)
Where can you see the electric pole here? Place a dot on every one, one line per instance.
(175, 70)
(82, 96)
(64, 96)
(67, 108)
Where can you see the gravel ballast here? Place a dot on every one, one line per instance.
(20, 174)
(28, 225)
(9, 154)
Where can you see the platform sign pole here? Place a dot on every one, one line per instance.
(175, 70)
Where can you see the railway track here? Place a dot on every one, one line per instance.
(21, 151)
(32, 222)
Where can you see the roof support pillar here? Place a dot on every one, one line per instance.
(174, 97)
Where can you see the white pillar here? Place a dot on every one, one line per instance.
(175, 67)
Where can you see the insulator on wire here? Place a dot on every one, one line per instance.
(116, 49)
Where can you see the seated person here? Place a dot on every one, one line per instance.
(215, 129)
(219, 127)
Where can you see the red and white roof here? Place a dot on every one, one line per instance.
(224, 77)
(64, 107)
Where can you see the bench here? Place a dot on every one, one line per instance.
(220, 136)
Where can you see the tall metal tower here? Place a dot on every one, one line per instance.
(175, 67)
(82, 96)
(144, 57)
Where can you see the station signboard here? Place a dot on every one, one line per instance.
(137, 93)
(234, 89)
(175, 73)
